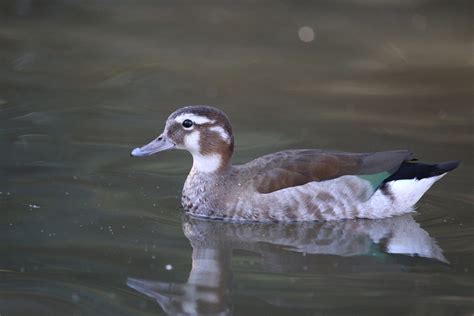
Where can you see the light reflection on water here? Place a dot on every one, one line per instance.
(303, 249)
(85, 230)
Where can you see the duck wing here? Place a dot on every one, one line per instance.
(297, 167)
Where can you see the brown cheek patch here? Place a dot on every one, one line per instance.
(211, 142)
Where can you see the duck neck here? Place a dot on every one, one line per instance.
(210, 163)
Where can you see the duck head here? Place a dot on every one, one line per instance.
(204, 131)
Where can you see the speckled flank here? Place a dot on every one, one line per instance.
(315, 201)
(327, 200)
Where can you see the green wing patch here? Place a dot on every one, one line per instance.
(375, 179)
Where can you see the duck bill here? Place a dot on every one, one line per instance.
(156, 145)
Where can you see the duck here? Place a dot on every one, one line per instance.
(290, 185)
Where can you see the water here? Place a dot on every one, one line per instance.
(87, 230)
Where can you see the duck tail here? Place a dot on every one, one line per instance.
(399, 193)
(415, 170)
(413, 179)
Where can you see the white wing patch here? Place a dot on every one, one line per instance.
(222, 133)
(411, 190)
(197, 119)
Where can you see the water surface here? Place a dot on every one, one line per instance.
(87, 230)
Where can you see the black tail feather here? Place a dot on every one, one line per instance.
(412, 170)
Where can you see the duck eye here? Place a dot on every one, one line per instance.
(187, 123)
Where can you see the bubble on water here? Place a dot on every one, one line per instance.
(32, 206)
(169, 267)
(75, 297)
(306, 34)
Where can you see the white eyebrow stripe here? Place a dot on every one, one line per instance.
(197, 119)
(221, 132)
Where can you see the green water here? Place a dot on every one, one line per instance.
(87, 230)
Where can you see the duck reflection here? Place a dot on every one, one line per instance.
(361, 245)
